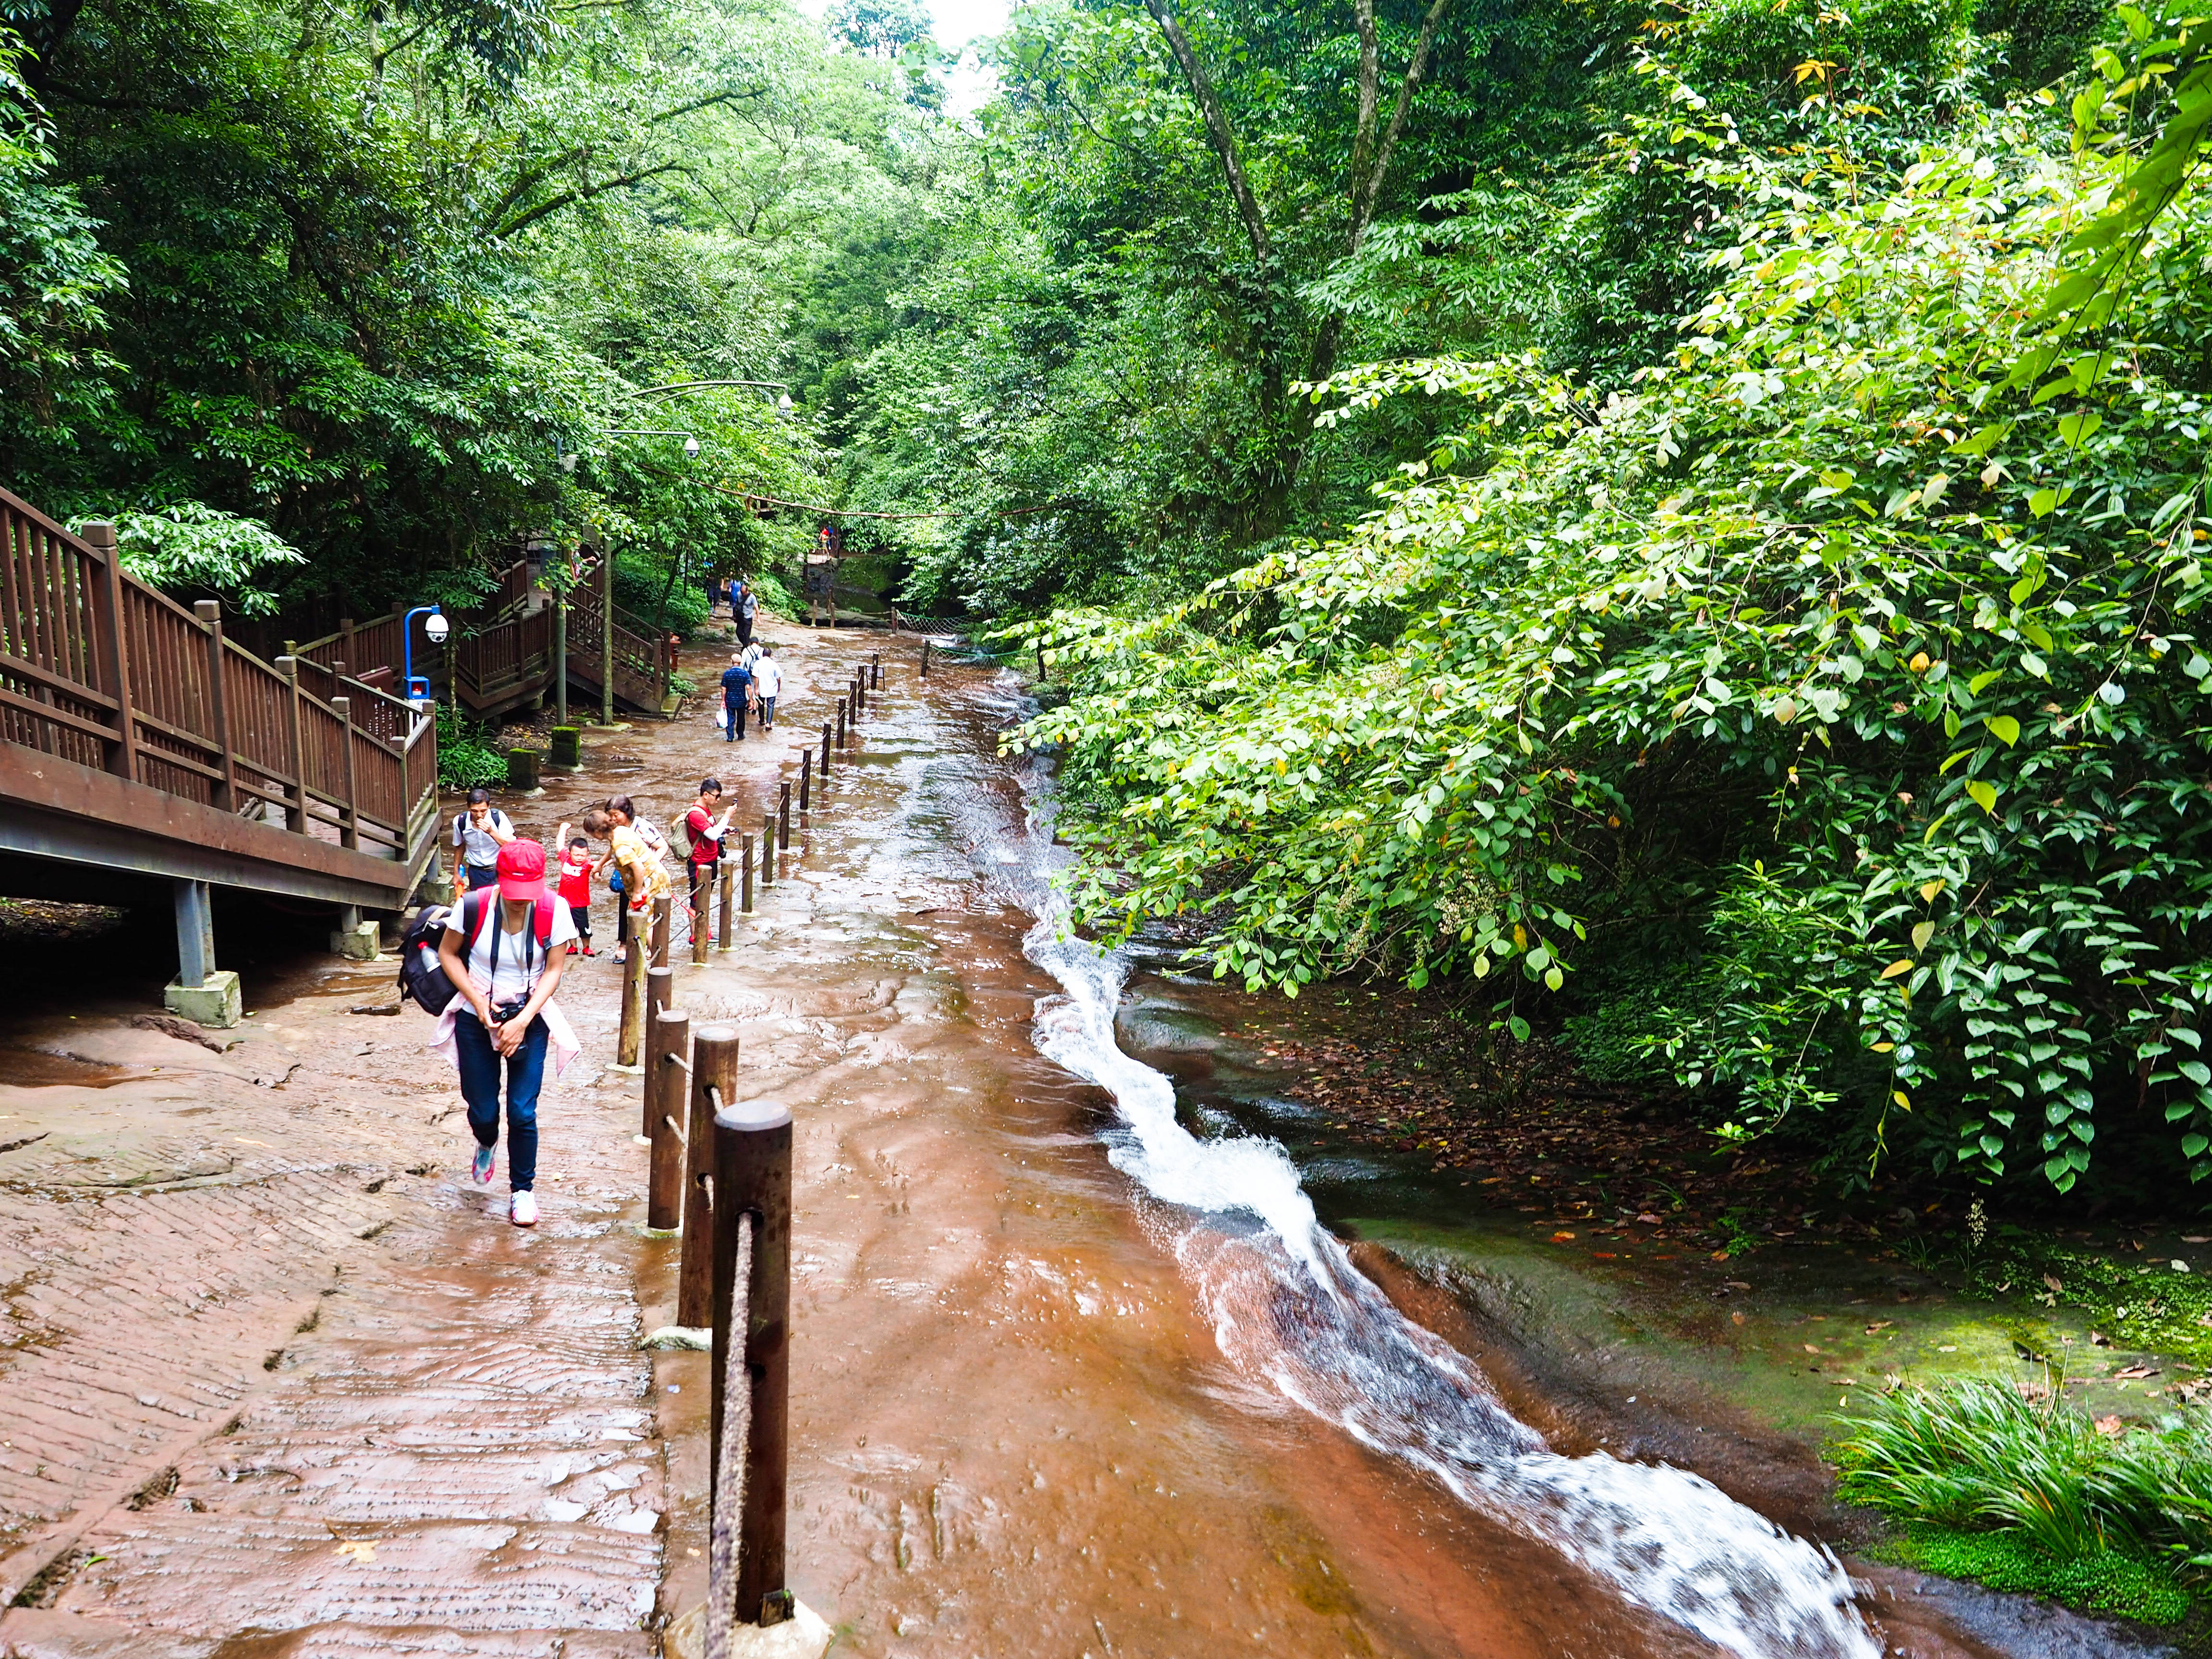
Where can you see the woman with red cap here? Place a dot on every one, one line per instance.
(505, 960)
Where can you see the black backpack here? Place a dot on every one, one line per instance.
(420, 978)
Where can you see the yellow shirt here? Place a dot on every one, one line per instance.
(643, 879)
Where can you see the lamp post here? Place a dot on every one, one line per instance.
(434, 629)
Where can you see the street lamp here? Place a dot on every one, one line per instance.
(435, 630)
(690, 443)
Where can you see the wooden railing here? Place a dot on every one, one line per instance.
(99, 668)
(501, 651)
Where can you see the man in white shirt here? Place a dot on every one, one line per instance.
(480, 829)
(768, 685)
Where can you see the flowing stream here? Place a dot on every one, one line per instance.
(1288, 1306)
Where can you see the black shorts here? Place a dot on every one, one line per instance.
(581, 916)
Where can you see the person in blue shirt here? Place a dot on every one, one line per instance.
(737, 687)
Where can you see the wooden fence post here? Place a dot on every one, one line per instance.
(713, 1081)
(659, 996)
(702, 910)
(768, 850)
(350, 818)
(217, 706)
(667, 1065)
(747, 867)
(661, 907)
(729, 931)
(783, 815)
(806, 776)
(113, 647)
(825, 752)
(752, 1181)
(627, 1046)
(295, 810)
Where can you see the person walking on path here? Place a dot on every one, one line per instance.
(745, 605)
(578, 870)
(637, 848)
(504, 957)
(480, 829)
(768, 685)
(706, 835)
(737, 687)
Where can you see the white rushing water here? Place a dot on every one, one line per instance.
(1288, 1305)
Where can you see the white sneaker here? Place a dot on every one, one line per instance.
(522, 1209)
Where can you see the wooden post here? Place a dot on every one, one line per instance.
(659, 997)
(703, 911)
(768, 850)
(842, 714)
(296, 811)
(661, 907)
(752, 1180)
(113, 649)
(713, 1081)
(806, 776)
(925, 658)
(875, 671)
(607, 636)
(560, 656)
(217, 707)
(627, 1046)
(728, 933)
(825, 752)
(746, 866)
(783, 815)
(350, 819)
(664, 1111)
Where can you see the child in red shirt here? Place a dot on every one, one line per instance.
(578, 868)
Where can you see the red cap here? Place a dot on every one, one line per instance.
(521, 870)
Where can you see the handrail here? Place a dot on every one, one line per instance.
(102, 669)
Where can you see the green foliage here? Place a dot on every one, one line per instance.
(190, 548)
(1976, 1455)
(466, 755)
(1885, 665)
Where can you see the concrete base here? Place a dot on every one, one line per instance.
(356, 944)
(805, 1635)
(216, 1004)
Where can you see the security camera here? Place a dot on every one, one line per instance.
(436, 627)
(691, 448)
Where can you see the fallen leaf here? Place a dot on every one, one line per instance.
(2056, 1287)
(2112, 1426)
(2099, 1339)
(1561, 1238)
(1648, 1219)
(1809, 1348)
(2135, 1371)
(1737, 1316)
(1879, 1325)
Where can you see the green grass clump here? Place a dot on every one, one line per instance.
(464, 758)
(2108, 1582)
(2053, 1493)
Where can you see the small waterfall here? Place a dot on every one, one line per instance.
(1287, 1305)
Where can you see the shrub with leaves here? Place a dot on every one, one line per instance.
(1859, 677)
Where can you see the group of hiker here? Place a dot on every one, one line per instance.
(752, 682)
(501, 952)
(745, 604)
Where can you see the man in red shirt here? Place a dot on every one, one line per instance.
(706, 842)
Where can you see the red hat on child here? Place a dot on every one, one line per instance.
(521, 870)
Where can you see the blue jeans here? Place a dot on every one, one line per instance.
(768, 712)
(735, 709)
(525, 1070)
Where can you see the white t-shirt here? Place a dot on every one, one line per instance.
(520, 961)
(768, 678)
(480, 847)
